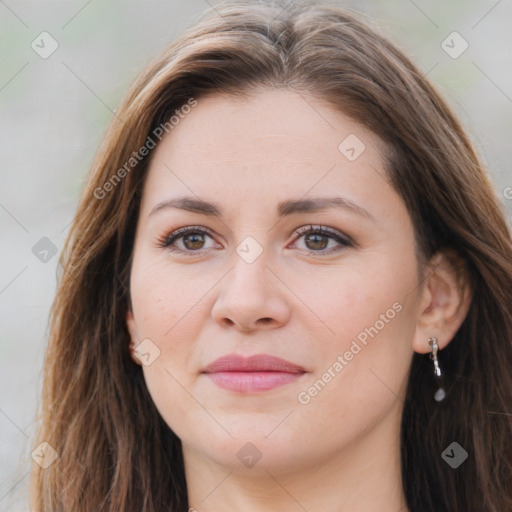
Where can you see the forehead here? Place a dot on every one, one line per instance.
(273, 143)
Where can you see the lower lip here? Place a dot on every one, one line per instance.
(244, 382)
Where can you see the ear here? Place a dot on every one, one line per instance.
(134, 335)
(444, 301)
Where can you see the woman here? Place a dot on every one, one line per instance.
(288, 286)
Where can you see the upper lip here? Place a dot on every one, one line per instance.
(255, 363)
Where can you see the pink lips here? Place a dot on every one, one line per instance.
(256, 373)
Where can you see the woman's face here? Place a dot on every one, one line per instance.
(338, 306)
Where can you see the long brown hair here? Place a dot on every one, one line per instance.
(114, 450)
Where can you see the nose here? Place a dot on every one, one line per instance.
(251, 297)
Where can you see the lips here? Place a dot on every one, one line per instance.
(260, 372)
(257, 363)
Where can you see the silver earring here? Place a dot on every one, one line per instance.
(440, 393)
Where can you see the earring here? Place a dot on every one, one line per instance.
(440, 393)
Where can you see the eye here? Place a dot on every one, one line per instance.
(317, 238)
(191, 239)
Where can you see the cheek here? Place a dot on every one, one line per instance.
(346, 300)
(168, 312)
(363, 368)
(163, 298)
(167, 318)
(368, 319)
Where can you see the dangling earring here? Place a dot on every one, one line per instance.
(440, 393)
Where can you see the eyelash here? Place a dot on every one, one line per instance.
(343, 240)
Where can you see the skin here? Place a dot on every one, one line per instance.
(340, 451)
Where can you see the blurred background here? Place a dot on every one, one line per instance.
(64, 67)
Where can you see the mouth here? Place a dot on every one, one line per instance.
(260, 372)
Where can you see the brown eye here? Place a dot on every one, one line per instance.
(317, 239)
(193, 241)
(188, 240)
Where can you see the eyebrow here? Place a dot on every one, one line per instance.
(284, 208)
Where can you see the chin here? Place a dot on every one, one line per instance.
(255, 453)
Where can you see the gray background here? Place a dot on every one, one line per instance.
(54, 111)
